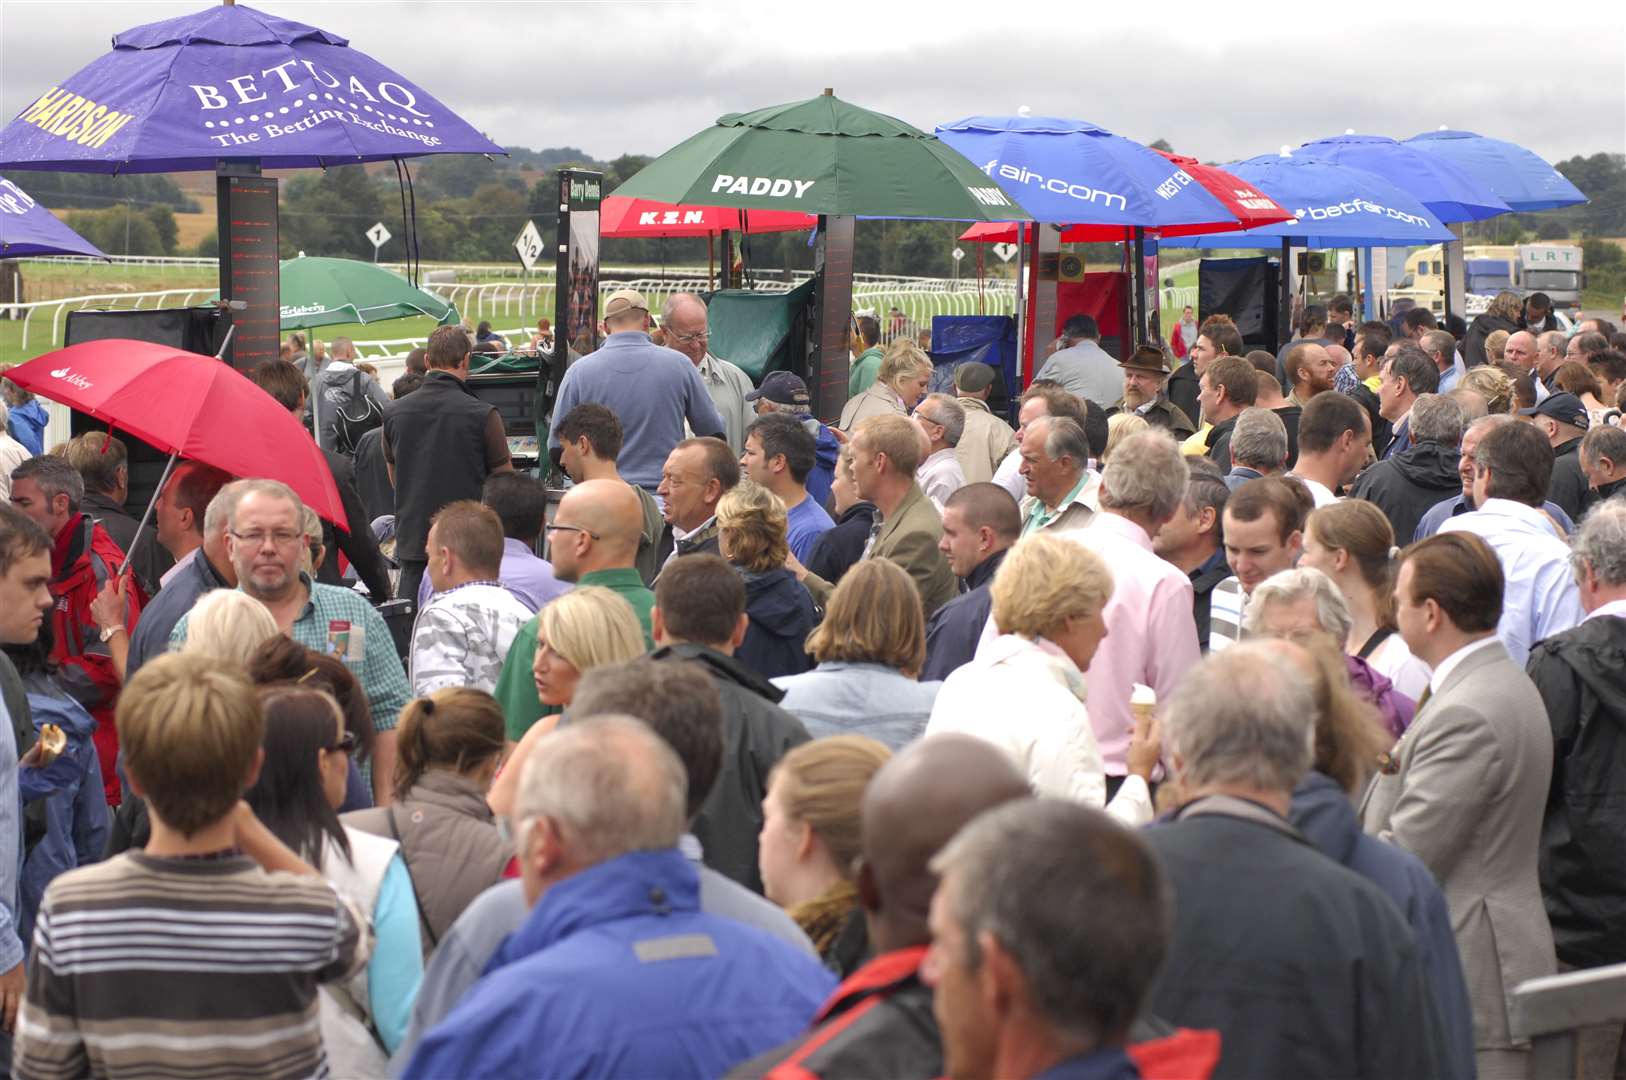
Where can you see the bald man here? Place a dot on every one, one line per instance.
(880, 1022)
(593, 540)
(1520, 350)
(684, 319)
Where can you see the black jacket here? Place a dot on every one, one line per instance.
(1583, 829)
(1203, 580)
(373, 476)
(1409, 484)
(1569, 487)
(781, 616)
(358, 543)
(149, 560)
(1382, 430)
(1219, 443)
(843, 545)
(1483, 326)
(756, 734)
(437, 439)
(1289, 416)
(1183, 387)
(954, 629)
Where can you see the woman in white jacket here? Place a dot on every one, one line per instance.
(1024, 692)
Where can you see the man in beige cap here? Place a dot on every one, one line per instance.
(987, 438)
(1146, 373)
(652, 390)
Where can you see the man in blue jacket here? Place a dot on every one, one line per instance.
(617, 972)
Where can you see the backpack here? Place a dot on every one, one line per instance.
(352, 421)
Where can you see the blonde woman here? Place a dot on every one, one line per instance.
(1492, 384)
(1024, 692)
(751, 534)
(808, 848)
(228, 626)
(1119, 427)
(1495, 344)
(870, 649)
(898, 388)
(584, 628)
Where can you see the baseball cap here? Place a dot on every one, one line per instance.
(975, 376)
(1565, 408)
(783, 388)
(624, 300)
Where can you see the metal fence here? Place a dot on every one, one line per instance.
(102, 302)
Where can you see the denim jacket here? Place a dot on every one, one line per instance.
(75, 810)
(841, 698)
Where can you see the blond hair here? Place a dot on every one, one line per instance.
(229, 626)
(898, 437)
(1046, 580)
(903, 357)
(188, 733)
(821, 783)
(311, 525)
(1119, 427)
(752, 519)
(1492, 384)
(590, 626)
(1495, 342)
(873, 617)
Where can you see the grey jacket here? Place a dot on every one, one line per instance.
(1466, 796)
(449, 842)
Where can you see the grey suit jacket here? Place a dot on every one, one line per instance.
(1467, 799)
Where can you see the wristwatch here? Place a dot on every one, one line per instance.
(108, 632)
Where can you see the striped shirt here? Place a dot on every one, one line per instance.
(1225, 606)
(200, 968)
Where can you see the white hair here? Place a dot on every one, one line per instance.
(1291, 586)
(610, 785)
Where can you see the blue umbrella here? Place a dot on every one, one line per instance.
(1075, 173)
(1435, 181)
(1519, 177)
(1333, 206)
(27, 228)
(231, 82)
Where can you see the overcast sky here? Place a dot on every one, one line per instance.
(617, 77)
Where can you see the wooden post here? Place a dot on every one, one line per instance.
(833, 308)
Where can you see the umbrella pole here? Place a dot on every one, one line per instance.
(1141, 319)
(146, 515)
(1284, 317)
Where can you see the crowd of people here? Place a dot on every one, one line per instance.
(1243, 715)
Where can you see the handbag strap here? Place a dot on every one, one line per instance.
(395, 834)
(1379, 636)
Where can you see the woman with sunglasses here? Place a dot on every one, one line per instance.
(300, 787)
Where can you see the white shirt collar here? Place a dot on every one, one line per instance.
(1617, 608)
(680, 534)
(1450, 663)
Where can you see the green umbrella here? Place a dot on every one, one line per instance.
(823, 156)
(326, 292)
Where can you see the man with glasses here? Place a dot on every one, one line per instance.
(593, 540)
(942, 420)
(684, 320)
(265, 541)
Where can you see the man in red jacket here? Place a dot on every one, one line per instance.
(83, 559)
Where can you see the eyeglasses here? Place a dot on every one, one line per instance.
(570, 528)
(346, 745)
(689, 339)
(257, 539)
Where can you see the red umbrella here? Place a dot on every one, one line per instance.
(191, 406)
(622, 216)
(1250, 207)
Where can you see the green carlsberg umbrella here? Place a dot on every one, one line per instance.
(325, 292)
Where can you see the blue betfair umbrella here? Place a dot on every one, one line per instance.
(231, 82)
(1518, 176)
(1436, 182)
(27, 228)
(1333, 206)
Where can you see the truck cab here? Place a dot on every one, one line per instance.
(1554, 269)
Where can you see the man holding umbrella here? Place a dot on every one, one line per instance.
(1146, 373)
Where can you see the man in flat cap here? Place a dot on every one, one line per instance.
(987, 438)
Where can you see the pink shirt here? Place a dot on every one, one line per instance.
(1151, 631)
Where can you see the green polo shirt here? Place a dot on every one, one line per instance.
(516, 687)
(865, 368)
(340, 622)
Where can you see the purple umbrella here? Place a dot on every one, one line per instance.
(27, 228)
(231, 82)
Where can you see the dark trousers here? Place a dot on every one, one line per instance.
(412, 571)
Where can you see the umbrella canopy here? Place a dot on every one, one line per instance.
(1517, 176)
(621, 217)
(190, 405)
(823, 156)
(1332, 206)
(27, 228)
(231, 82)
(326, 292)
(1435, 181)
(1250, 208)
(1075, 173)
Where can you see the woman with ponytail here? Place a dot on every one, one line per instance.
(1352, 542)
(448, 746)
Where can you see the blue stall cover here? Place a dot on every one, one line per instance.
(987, 339)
